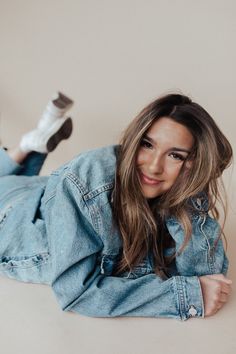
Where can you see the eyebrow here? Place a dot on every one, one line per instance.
(172, 149)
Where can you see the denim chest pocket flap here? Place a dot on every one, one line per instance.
(108, 264)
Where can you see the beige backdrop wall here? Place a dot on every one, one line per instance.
(112, 57)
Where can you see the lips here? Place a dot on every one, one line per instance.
(145, 179)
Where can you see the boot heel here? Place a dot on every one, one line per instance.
(63, 133)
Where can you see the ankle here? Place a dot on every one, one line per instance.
(17, 154)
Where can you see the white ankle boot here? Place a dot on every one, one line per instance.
(52, 127)
(56, 108)
(45, 141)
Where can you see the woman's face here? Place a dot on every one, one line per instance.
(161, 155)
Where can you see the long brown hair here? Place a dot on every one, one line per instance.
(142, 222)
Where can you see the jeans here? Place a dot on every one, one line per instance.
(31, 167)
(24, 253)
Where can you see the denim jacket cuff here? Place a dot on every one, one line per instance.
(189, 297)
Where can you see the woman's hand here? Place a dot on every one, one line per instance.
(216, 289)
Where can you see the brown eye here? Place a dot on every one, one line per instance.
(177, 156)
(145, 144)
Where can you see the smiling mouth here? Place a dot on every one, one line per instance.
(148, 180)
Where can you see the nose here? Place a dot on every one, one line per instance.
(155, 164)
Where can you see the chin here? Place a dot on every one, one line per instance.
(151, 196)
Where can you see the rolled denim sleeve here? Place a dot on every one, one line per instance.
(76, 274)
(190, 297)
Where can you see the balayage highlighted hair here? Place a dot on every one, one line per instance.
(142, 222)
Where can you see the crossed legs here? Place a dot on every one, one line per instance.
(51, 129)
(17, 154)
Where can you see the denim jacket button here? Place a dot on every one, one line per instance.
(199, 202)
(192, 311)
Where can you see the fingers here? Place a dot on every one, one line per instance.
(216, 291)
(223, 289)
(226, 289)
(223, 298)
(224, 295)
(227, 281)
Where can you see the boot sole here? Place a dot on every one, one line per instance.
(63, 133)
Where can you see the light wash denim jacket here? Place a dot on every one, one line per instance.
(61, 234)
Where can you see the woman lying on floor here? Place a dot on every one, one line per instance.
(122, 230)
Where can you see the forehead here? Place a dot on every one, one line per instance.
(166, 131)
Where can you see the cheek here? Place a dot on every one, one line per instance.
(173, 171)
(140, 158)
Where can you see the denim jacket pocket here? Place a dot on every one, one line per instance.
(109, 262)
(26, 268)
(8, 263)
(140, 270)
